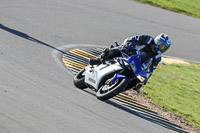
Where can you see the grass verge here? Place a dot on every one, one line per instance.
(176, 87)
(189, 7)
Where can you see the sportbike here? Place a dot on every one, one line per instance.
(113, 76)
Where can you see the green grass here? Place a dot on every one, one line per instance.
(189, 7)
(177, 88)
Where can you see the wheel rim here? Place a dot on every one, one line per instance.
(107, 87)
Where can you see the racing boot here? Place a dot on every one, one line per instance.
(94, 61)
(107, 53)
(101, 57)
(138, 86)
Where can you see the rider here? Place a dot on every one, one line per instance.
(149, 48)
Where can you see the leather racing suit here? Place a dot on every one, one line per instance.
(143, 43)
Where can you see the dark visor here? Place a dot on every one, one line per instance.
(163, 47)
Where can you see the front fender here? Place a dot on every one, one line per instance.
(118, 76)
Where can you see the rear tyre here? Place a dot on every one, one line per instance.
(79, 80)
(107, 91)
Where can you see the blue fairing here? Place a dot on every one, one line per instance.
(118, 76)
(137, 63)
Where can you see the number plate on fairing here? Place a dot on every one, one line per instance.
(90, 77)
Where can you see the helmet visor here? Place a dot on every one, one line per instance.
(163, 47)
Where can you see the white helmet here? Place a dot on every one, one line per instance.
(163, 42)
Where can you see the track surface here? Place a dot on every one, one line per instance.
(38, 96)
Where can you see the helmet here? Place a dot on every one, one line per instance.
(162, 43)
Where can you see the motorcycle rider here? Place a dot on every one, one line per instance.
(149, 48)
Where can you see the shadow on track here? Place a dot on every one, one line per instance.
(26, 36)
(163, 123)
(124, 108)
(120, 106)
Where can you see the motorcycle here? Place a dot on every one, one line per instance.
(114, 76)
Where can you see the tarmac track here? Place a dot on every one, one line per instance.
(37, 95)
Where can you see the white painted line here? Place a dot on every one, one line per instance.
(57, 55)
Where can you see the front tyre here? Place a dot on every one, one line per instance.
(79, 80)
(108, 91)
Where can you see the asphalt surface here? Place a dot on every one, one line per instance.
(37, 95)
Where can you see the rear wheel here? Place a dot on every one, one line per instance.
(79, 80)
(110, 90)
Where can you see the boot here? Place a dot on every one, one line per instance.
(94, 61)
(107, 53)
(98, 61)
(138, 86)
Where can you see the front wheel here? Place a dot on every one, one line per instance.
(110, 90)
(79, 80)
